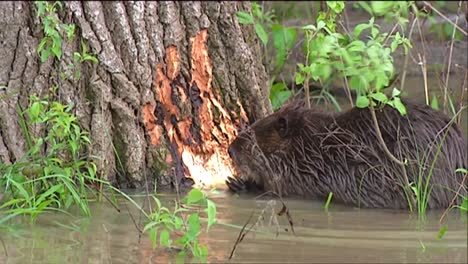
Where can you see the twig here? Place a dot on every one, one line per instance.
(241, 235)
(386, 150)
(450, 58)
(390, 34)
(134, 221)
(444, 17)
(380, 138)
(453, 199)
(422, 62)
(348, 91)
(423, 65)
(405, 66)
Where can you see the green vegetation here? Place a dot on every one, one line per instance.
(360, 58)
(329, 198)
(51, 43)
(54, 173)
(366, 66)
(283, 41)
(168, 222)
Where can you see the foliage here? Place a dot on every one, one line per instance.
(165, 222)
(53, 174)
(54, 33)
(51, 43)
(283, 40)
(366, 65)
(390, 10)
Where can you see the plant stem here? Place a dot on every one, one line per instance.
(422, 62)
(405, 66)
(453, 199)
(450, 58)
(444, 17)
(387, 151)
(380, 138)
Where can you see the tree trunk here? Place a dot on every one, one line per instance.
(173, 82)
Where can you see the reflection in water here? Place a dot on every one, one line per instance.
(342, 235)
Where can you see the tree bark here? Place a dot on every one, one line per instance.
(173, 82)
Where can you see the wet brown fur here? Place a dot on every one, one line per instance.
(301, 152)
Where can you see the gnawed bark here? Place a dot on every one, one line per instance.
(174, 81)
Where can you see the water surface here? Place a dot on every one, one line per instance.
(339, 235)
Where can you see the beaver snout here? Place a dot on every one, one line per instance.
(231, 151)
(235, 147)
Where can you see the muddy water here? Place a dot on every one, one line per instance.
(341, 235)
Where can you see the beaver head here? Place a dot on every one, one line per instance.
(260, 151)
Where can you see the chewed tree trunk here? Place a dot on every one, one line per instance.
(173, 82)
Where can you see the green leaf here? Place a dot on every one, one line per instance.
(283, 40)
(57, 49)
(442, 232)
(45, 55)
(362, 102)
(178, 222)
(257, 10)
(153, 236)
(299, 78)
(90, 58)
(464, 205)
(244, 18)
(434, 103)
(40, 47)
(359, 28)
(211, 212)
(399, 106)
(321, 24)
(365, 6)
(381, 7)
(280, 98)
(261, 33)
(395, 92)
(309, 27)
(374, 32)
(379, 97)
(49, 192)
(394, 45)
(357, 82)
(194, 226)
(194, 196)
(277, 87)
(329, 198)
(336, 6)
(76, 56)
(164, 238)
(323, 71)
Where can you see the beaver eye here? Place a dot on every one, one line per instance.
(282, 127)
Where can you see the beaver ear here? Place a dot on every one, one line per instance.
(282, 127)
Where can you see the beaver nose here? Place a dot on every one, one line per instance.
(231, 151)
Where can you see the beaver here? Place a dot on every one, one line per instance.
(303, 152)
